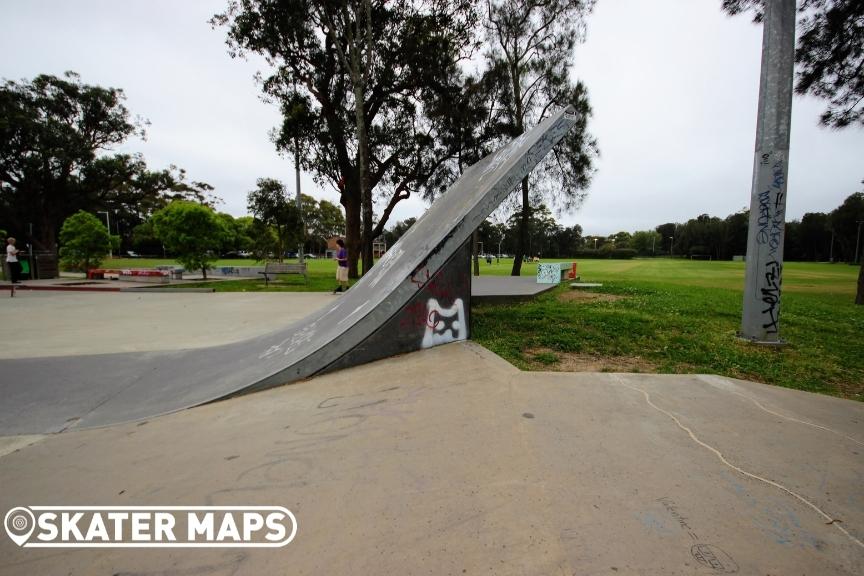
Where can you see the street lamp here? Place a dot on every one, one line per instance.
(595, 243)
(108, 223)
(671, 245)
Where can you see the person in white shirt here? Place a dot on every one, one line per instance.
(12, 260)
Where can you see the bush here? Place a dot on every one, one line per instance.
(192, 232)
(84, 242)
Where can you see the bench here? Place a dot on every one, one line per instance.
(275, 268)
(154, 276)
(101, 273)
(176, 272)
(151, 276)
(555, 272)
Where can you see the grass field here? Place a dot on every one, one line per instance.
(660, 315)
(681, 316)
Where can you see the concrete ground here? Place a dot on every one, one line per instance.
(447, 461)
(502, 289)
(70, 323)
(451, 461)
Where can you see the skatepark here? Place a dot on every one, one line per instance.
(451, 461)
(402, 447)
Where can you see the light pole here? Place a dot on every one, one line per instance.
(108, 223)
(671, 245)
(595, 243)
(763, 274)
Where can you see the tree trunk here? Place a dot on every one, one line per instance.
(523, 231)
(515, 78)
(363, 161)
(859, 298)
(204, 271)
(352, 233)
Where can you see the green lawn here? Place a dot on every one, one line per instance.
(657, 315)
(680, 316)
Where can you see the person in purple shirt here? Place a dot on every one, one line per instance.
(341, 267)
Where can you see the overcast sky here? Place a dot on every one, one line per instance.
(673, 83)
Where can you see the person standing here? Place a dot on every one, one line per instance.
(12, 261)
(341, 267)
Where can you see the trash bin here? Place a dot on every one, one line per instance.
(25, 267)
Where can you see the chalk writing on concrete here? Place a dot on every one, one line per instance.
(707, 555)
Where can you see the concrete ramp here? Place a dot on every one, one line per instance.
(417, 296)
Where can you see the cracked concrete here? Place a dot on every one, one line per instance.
(451, 461)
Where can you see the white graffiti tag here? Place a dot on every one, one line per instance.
(444, 325)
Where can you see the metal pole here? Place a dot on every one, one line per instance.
(30, 251)
(760, 318)
(108, 223)
(301, 257)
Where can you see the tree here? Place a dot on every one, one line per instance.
(264, 241)
(542, 231)
(829, 54)
(192, 232)
(84, 242)
(242, 233)
(270, 204)
(621, 239)
(51, 129)
(352, 77)
(734, 235)
(532, 43)
(392, 235)
(568, 240)
(53, 162)
(700, 236)
(667, 236)
(843, 221)
(816, 237)
(323, 219)
(646, 242)
(123, 185)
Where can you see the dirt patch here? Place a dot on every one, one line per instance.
(575, 362)
(583, 296)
